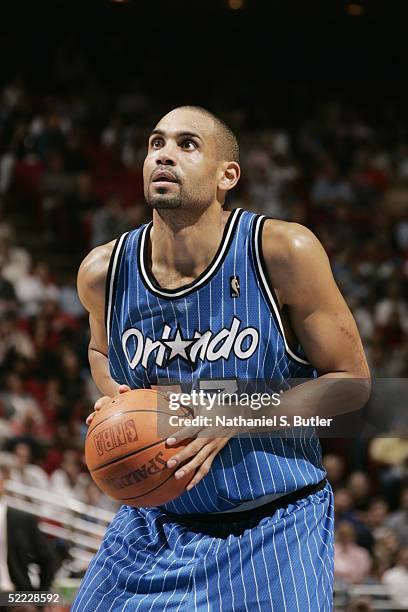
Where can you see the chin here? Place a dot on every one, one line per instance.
(164, 203)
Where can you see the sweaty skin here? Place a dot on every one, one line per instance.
(187, 229)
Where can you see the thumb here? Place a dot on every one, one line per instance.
(124, 388)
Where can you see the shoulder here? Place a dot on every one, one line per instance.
(284, 241)
(92, 275)
(295, 260)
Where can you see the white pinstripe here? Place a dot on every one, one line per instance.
(301, 560)
(230, 577)
(253, 570)
(119, 560)
(95, 559)
(266, 568)
(290, 562)
(104, 564)
(278, 566)
(186, 591)
(218, 574)
(164, 575)
(178, 573)
(242, 574)
(141, 576)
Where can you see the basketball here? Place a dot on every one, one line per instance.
(125, 455)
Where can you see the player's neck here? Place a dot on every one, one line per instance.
(181, 251)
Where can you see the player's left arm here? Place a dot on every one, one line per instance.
(300, 273)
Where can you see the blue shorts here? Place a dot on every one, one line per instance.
(149, 562)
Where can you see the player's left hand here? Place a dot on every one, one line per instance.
(201, 449)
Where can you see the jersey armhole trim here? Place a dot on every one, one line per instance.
(265, 282)
(111, 280)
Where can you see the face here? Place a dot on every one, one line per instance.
(182, 169)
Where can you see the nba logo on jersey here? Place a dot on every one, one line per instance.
(234, 286)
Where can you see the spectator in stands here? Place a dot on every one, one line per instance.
(345, 511)
(385, 549)
(68, 480)
(34, 288)
(109, 222)
(377, 512)
(360, 604)
(343, 505)
(335, 467)
(21, 544)
(398, 520)
(26, 472)
(393, 453)
(68, 298)
(390, 307)
(15, 260)
(8, 298)
(73, 388)
(360, 488)
(14, 340)
(21, 408)
(396, 579)
(329, 187)
(351, 562)
(78, 211)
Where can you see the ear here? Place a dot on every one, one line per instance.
(229, 176)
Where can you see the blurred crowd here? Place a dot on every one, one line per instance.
(72, 166)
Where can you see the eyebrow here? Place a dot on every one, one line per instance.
(178, 134)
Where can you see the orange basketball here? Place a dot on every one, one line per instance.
(125, 455)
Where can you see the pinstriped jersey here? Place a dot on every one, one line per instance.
(225, 326)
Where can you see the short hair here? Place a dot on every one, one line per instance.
(227, 142)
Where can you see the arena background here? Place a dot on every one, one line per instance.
(315, 92)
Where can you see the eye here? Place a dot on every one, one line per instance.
(188, 144)
(156, 143)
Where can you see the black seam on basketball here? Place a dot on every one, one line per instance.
(124, 412)
(122, 499)
(134, 452)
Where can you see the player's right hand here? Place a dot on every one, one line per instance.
(104, 401)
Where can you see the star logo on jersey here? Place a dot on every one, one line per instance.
(205, 346)
(178, 346)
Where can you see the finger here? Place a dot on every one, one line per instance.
(90, 418)
(100, 403)
(188, 451)
(183, 434)
(203, 470)
(195, 463)
(124, 388)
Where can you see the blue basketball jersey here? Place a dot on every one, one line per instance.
(224, 330)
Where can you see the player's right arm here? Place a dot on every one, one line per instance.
(91, 284)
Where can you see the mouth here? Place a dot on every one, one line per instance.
(164, 176)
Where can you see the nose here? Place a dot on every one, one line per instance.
(165, 156)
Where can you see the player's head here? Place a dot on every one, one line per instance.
(192, 160)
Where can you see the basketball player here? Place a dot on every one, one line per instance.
(201, 295)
